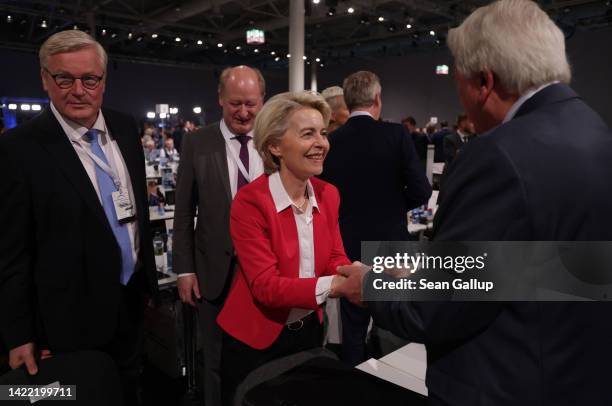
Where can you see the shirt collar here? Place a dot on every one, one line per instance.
(281, 198)
(227, 133)
(75, 131)
(521, 100)
(360, 113)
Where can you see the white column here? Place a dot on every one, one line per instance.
(313, 75)
(296, 45)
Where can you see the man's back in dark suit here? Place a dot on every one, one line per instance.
(438, 140)
(374, 166)
(529, 179)
(378, 174)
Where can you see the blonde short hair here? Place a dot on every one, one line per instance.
(516, 40)
(70, 41)
(273, 121)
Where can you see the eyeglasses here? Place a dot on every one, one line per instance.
(64, 81)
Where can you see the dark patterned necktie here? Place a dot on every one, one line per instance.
(244, 157)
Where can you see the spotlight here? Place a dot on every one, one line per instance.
(130, 35)
(238, 47)
(272, 53)
(9, 18)
(381, 19)
(12, 106)
(277, 58)
(177, 39)
(331, 11)
(409, 26)
(162, 115)
(114, 35)
(153, 36)
(25, 107)
(200, 42)
(256, 50)
(316, 1)
(318, 59)
(103, 31)
(139, 39)
(322, 65)
(75, 27)
(432, 33)
(150, 114)
(304, 57)
(391, 28)
(351, 10)
(36, 107)
(43, 24)
(197, 110)
(219, 45)
(288, 55)
(173, 110)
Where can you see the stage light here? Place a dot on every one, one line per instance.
(150, 114)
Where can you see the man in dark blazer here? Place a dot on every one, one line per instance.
(74, 267)
(527, 178)
(375, 167)
(438, 140)
(453, 142)
(215, 162)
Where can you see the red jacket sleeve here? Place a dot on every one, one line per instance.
(258, 261)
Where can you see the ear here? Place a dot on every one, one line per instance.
(275, 150)
(486, 85)
(44, 79)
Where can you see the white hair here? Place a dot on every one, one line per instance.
(516, 40)
(360, 89)
(70, 41)
(332, 91)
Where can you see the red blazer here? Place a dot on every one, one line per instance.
(267, 284)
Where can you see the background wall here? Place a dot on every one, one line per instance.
(410, 86)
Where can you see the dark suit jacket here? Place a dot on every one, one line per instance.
(374, 166)
(203, 182)
(438, 140)
(60, 262)
(420, 141)
(452, 144)
(531, 179)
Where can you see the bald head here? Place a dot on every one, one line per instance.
(241, 93)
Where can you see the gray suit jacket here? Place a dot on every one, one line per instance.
(203, 183)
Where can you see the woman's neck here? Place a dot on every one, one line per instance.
(295, 187)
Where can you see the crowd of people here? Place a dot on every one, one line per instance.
(274, 200)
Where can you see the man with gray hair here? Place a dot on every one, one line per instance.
(375, 167)
(334, 96)
(77, 256)
(527, 177)
(216, 161)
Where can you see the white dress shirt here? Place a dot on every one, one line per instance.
(255, 163)
(303, 221)
(360, 113)
(75, 133)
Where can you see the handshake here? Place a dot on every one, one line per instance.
(348, 282)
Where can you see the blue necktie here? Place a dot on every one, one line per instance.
(106, 186)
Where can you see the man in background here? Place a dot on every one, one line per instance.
(216, 161)
(334, 96)
(454, 142)
(374, 166)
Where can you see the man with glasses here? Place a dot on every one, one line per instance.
(77, 256)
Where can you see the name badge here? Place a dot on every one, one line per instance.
(123, 205)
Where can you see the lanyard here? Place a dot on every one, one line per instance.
(110, 170)
(238, 161)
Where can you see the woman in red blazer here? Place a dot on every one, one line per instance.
(284, 226)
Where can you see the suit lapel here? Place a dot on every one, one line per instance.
(55, 141)
(220, 159)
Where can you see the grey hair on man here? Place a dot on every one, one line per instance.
(331, 95)
(70, 41)
(360, 89)
(516, 40)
